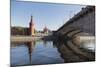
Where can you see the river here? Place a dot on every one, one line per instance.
(36, 53)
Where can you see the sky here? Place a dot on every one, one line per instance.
(51, 15)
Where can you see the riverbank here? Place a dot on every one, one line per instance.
(24, 38)
(31, 38)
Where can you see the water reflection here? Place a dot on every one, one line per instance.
(30, 46)
(72, 53)
(89, 45)
(39, 52)
(47, 41)
(48, 52)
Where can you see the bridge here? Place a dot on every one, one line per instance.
(81, 27)
(83, 24)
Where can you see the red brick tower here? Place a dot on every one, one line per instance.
(31, 27)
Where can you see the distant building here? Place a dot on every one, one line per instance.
(46, 30)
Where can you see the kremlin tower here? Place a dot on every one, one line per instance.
(31, 27)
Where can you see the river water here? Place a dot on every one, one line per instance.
(35, 53)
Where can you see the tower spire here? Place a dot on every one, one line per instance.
(31, 21)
